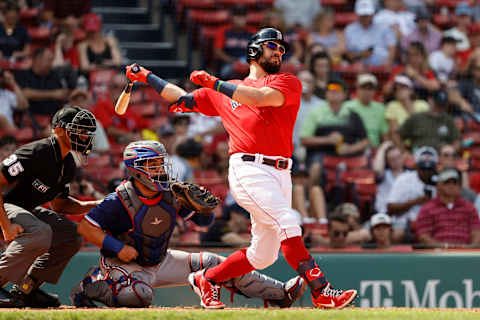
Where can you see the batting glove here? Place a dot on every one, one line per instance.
(203, 79)
(140, 75)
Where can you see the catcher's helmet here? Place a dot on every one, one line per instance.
(254, 48)
(147, 161)
(80, 125)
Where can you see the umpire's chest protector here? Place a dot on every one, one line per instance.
(153, 222)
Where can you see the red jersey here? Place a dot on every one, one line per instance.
(264, 130)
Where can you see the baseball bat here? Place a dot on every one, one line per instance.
(124, 99)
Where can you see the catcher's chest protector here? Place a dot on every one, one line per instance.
(152, 224)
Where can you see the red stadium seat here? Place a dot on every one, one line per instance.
(473, 137)
(24, 134)
(209, 17)
(255, 18)
(29, 17)
(443, 21)
(103, 160)
(344, 18)
(198, 4)
(39, 34)
(147, 110)
(351, 163)
(230, 3)
(451, 4)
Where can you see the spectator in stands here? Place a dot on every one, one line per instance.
(308, 102)
(448, 159)
(442, 61)
(229, 231)
(463, 19)
(410, 190)
(14, 38)
(11, 99)
(97, 51)
(298, 13)
(66, 13)
(65, 50)
(404, 103)
(369, 43)
(356, 234)
(467, 93)
(394, 15)
(448, 221)
(417, 69)
(82, 189)
(387, 165)
(8, 144)
(432, 128)
(371, 112)
(321, 68)
(338, 229)
(323, 32)
(327, 131)
(120, 128)
(44, 88)
(231, 41)
(381, 231)
(424, 32)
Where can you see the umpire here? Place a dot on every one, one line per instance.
(41, 242)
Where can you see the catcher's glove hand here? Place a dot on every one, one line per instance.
(194, 197)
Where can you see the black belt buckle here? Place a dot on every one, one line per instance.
(279, 162)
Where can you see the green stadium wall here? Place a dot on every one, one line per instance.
(419, 280)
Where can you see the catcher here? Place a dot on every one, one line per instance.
(133, 228)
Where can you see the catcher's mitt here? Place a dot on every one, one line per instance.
(194, 197)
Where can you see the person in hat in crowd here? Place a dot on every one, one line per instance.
(404, 103)
(41, 241)
(448, 221)
(442, 61)
(97, 51)
(368, 42)
(380, 231)
(424, 32)
(371, 112)
(410, 190)
(464, 94)
(432, 128)
(463, 20)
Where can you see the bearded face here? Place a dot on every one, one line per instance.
(271, 60)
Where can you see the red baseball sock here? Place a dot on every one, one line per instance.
(294, 251)
(235, 265)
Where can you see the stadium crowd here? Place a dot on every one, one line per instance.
(387, 139)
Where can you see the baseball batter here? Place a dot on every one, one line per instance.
(41, 242)
(133, 227)
(259, 114)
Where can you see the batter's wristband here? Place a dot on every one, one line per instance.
(112, 244)
(156, 82)
(226, 88)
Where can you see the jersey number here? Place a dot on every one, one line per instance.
(15, 169)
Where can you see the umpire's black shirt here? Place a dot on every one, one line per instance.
(37, 174)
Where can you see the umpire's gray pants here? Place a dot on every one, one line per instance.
(42, 250)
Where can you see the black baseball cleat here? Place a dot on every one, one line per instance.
(8, 300)
(37, 298)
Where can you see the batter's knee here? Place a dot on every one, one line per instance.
(260, 262)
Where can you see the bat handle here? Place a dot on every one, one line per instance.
(135, 68)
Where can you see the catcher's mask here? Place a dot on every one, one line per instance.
(147, 161)
(254, 48)
(80, 125)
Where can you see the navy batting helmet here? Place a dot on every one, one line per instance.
(254, 48)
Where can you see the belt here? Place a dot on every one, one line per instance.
(280, 164)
